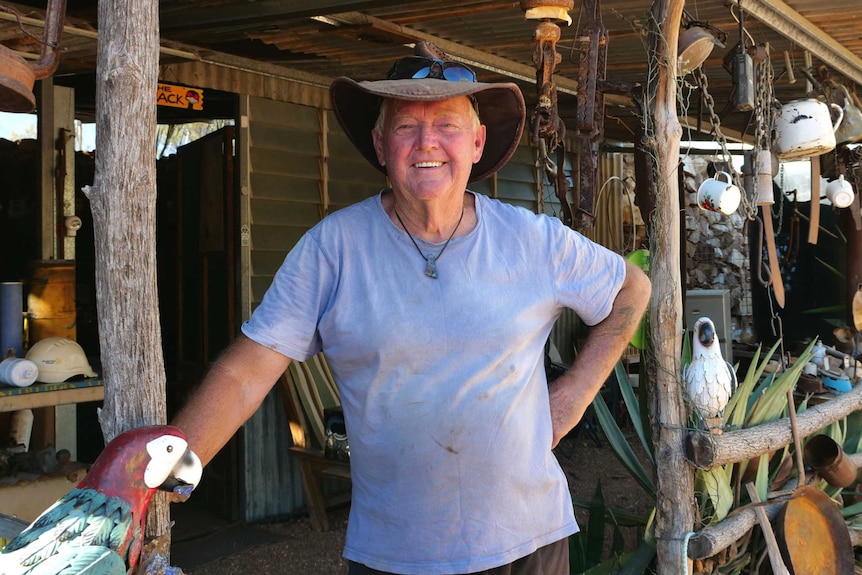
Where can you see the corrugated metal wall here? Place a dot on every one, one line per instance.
(301, 167)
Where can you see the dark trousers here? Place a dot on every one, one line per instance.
(551, 559)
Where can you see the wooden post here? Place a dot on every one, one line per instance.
(675, 479)
(123, 203)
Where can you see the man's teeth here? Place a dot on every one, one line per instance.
(428, 164)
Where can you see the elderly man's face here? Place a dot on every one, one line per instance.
(429, 148)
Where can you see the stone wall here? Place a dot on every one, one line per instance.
(716, 250)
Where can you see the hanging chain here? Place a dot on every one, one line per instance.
(764, 98)
(748, 208)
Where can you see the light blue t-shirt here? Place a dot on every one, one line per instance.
(442, 380)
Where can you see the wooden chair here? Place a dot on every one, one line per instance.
(306, 389)
(10, 527)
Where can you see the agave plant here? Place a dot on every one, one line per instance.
(586, 547)
(761, 397)
(758, 399)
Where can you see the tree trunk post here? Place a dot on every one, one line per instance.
(675, 478)
(123, 202)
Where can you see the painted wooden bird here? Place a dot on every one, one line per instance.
(98, 527)
(709, 379)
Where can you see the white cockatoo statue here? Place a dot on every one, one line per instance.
(709, 379)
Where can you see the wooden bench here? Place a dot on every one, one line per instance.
(306, 389)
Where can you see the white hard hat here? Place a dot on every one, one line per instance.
(58, 359)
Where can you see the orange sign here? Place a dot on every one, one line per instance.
(180, 97)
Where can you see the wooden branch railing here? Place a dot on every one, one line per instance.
(704, 450)
(715, 538)
(707, 451)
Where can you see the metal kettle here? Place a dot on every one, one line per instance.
(850, 129)
(17, 76)
(805, 128)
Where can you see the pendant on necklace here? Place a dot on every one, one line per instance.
(431, 266)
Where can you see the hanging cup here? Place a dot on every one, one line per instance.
(719, 194)
(840, 192)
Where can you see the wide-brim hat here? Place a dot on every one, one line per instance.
(501, 109)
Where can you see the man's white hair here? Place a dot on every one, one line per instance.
(385, 104)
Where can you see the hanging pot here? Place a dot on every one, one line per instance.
(850, 129)
(804, 128)
(17, 76)
(695, 44)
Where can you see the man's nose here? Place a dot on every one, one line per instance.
(426, 136)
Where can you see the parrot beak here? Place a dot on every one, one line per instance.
(706, 333)
(184, 477)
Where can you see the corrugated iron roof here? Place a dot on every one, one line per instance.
(362, 38)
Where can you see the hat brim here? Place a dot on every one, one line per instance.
(501, 109)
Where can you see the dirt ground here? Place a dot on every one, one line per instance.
(299, 549)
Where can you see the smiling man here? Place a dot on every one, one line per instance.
(433, 305)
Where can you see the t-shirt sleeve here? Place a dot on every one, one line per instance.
(287, 317)
(588, 275)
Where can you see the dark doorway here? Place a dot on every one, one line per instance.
(196, 218)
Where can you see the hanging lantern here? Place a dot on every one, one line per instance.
(17, 76)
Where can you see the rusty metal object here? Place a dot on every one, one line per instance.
(827, 458)
(17, 76)
(547, 129)
(593, 47)
(546, 123)
(812, 534)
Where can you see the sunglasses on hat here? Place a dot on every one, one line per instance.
(417, 67)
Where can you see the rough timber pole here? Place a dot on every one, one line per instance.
(675, 478)
(123, 202)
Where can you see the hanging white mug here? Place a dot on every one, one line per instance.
(719, 194)
(840, 192)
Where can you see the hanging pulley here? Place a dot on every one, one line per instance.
(547, 129)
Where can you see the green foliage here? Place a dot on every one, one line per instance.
(621, 447)
(587, 546)
(758, 399)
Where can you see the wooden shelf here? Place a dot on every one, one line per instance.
(50, 394)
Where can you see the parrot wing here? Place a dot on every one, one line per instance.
(734, 381)
(86, 560)
(81, 518)
(709, 383)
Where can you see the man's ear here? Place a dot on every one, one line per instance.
(479, 143)
(378, 147)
